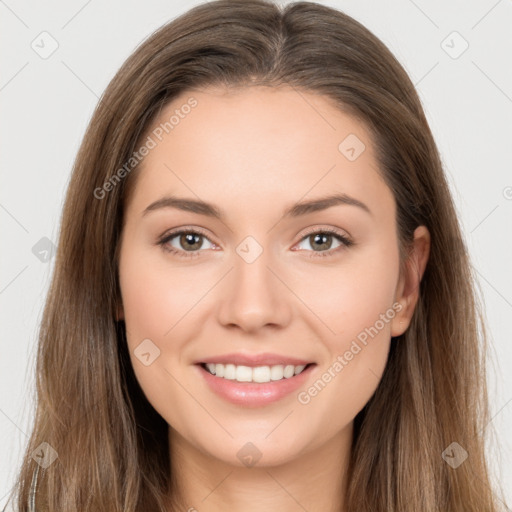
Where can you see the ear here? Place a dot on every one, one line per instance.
(408, 287)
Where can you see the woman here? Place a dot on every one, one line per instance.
(209, 354)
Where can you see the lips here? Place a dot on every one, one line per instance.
(253, 394)
(261, 391)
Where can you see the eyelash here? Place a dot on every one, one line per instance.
(163, 241)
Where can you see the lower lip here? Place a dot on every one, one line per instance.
(251, 394)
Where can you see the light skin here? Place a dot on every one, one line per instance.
(253, 153)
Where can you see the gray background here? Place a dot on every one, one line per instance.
(47, 101)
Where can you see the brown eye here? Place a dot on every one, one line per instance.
(190, 241)
(321, 242)
(184, 241)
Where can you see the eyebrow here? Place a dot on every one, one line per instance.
(296, 210)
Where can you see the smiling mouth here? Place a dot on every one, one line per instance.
(258, 374)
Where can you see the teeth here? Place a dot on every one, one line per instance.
(257, 374)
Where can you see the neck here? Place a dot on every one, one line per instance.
(314, 480)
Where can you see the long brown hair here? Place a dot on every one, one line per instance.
(112, 447)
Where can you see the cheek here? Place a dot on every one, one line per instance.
(155, 309)
(356, 304)
(147, 301)
(362, 293)
(351, 295)
(155, 296)
(160, 304)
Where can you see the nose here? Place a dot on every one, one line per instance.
(254, 295)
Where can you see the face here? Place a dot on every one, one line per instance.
(266, 281)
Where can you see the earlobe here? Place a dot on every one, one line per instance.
(409, 284)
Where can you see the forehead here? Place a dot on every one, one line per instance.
(242, 146)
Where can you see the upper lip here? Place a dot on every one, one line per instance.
(264, 359)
